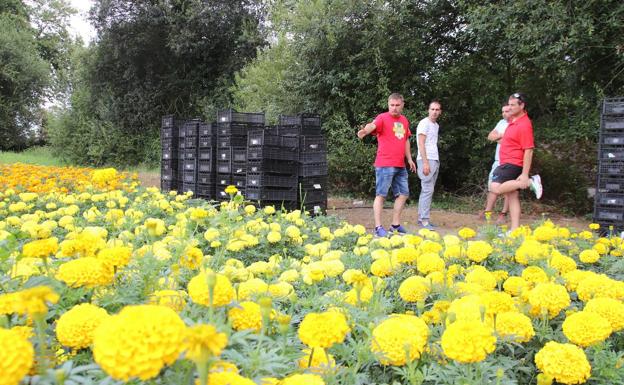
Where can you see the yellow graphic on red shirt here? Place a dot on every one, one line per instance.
(399, 130)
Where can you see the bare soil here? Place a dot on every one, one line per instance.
(359, 212)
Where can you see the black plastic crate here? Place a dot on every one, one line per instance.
(305, 120)
(612, 152)
(206, 153)
(167, 185)
(189, 177)
(613, 122)
(167, 165)
(230, 115)
(207, 141)
(168, 175)
(609, 213)
(206, 178)
(314, 208)
(224, 167)
(312, 169)
(169, 154)
(190, 165)
(231, 141)
(190, 153)
(239, 154)
(312, 195)
(314, 182)
(240, 181)
(169, 144)
(611, 168)
(168, 121)
(168, 133)
(270, 152)
(272, 166)
(313, 157)
(205, 165)
(191, 127)
(613, 106)
(224, 154)
(613, 138)
(270, 180)
(206, 130)
(191, 142)
(189, 187)
(614, 185)
(271, 194)
(239, 168)
(268, 138)
(223, 179)
(232, 129)
(206, 191)
(609, 200)
(312, 143)
(221, 195)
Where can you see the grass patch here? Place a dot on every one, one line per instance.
(35, 155)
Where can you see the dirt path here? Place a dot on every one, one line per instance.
(358, 212)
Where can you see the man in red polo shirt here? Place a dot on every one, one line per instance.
(393, 147)
(516, 155)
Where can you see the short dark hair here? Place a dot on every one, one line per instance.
(396, 96)
(437, 101)
(519, 96)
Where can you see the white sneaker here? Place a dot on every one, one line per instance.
(536, 186)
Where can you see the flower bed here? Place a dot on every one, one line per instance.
(135, 285)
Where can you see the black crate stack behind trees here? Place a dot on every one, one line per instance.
(272, 168)
(312, 182)
(190, 155)
(206, 162)
(169, 133)
(609, 200)
(231, 153)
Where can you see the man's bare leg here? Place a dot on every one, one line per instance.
(514, 208)
(399, 204)
(378, 208)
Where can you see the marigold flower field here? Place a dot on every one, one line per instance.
(103, 281)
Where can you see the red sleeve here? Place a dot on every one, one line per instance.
(407, 127)
(379, 123)
(526, 139)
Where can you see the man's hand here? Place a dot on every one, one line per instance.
(412, 165)
(426, 168)
(524, 179)
(362, 133)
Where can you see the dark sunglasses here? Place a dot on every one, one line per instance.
(519, 96)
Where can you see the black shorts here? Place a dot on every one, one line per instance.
(506, 172)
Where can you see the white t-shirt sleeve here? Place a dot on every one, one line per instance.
(422, 128)
(501, 126)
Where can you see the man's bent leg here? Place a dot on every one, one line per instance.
(377, 209)
(513, 198)
(490, 201)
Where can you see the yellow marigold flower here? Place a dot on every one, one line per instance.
(452, 251)
(586, 328)
(496, 302)
(222, 291)
(32, 301)
(250, 209)
(118, 256)
(27, 197)
(534, 274)
(75, 327)
(300, 379)
(41, 248)
(550, 298)
(599, 285)
(399, 339)
(414, 289)
(589, 256)
(192, 257)
(228, 378)
(466, 233)
(481, 276)
(252, 287)
(405, 255)
(281, 289)
(26, 332)
(468, 341)
(155, 227)
(88, 272)
(320, 363)
(467, 308)
(203, 342)
(566, 363)
(585, 235)
(332, 267)
(139, 342)
(609, 308)
(429, 262)
(174, 299)
(16, 356)
(561, 263)
(274, 237)
(383, 267)
(544, 379)
(529, 251)
(574, 277)
(290, 275)
(269, 210)
(478, 251)
(322, 330)
(545, 233)
(247, 315)
(594, 226)
(514, 325)
(231, 190)
(211, 234)
(26, 267)
(429, 246)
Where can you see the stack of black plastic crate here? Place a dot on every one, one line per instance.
(609, 200)
(169, 133)
(272, 167)
(206, 165)
(312, 178)
(189, 143)
(231, 155)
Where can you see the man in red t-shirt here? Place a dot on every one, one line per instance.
(392, 131)
(516, 155)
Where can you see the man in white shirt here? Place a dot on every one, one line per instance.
(428, 161)
(495, 136)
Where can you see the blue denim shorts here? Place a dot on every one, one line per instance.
(391, 176)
